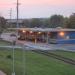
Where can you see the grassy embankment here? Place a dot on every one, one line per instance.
(35, 64)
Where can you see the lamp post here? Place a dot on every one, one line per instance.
(24, 60)
(13, 72)
(13, 38)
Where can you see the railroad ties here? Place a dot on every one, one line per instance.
(55, 56)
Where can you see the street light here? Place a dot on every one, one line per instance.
(13, 38)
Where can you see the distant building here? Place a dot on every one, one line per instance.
(13, 22)
(48, 35)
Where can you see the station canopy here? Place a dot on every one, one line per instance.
(43, 29)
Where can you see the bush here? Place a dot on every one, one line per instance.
(9, 56)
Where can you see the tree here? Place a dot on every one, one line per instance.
(71, 21)
(26, 23)
(65, 22)
(2, 25)
(46, 23)
(56, 21)
(35, 22)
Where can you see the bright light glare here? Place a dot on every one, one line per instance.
(61, 33)
(31, 32)
(39, 32)
(23, 31)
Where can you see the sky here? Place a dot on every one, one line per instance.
(37, 8)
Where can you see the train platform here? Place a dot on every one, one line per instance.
(42, 46)
(45, 46)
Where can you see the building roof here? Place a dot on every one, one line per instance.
(44, 29)
(14, 20)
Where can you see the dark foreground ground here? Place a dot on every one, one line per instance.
(35, 64)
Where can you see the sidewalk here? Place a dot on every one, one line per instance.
(44, 46)
(2, 73)
(41, 46)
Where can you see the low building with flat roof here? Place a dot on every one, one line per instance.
(49, 35)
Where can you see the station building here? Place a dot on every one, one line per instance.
(47, 35)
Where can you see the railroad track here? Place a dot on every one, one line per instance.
(59, 57)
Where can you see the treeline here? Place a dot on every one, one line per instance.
(51, 22)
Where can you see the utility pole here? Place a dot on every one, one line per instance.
(10, 17)
(14, 40)
(17, 13)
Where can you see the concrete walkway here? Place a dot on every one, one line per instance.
(42, 46)
(10, 47)
(2, 73)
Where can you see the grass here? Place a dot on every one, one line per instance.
(41, 65)
(6, 63)
(4, 43)
(67, 54)
(35, 64)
